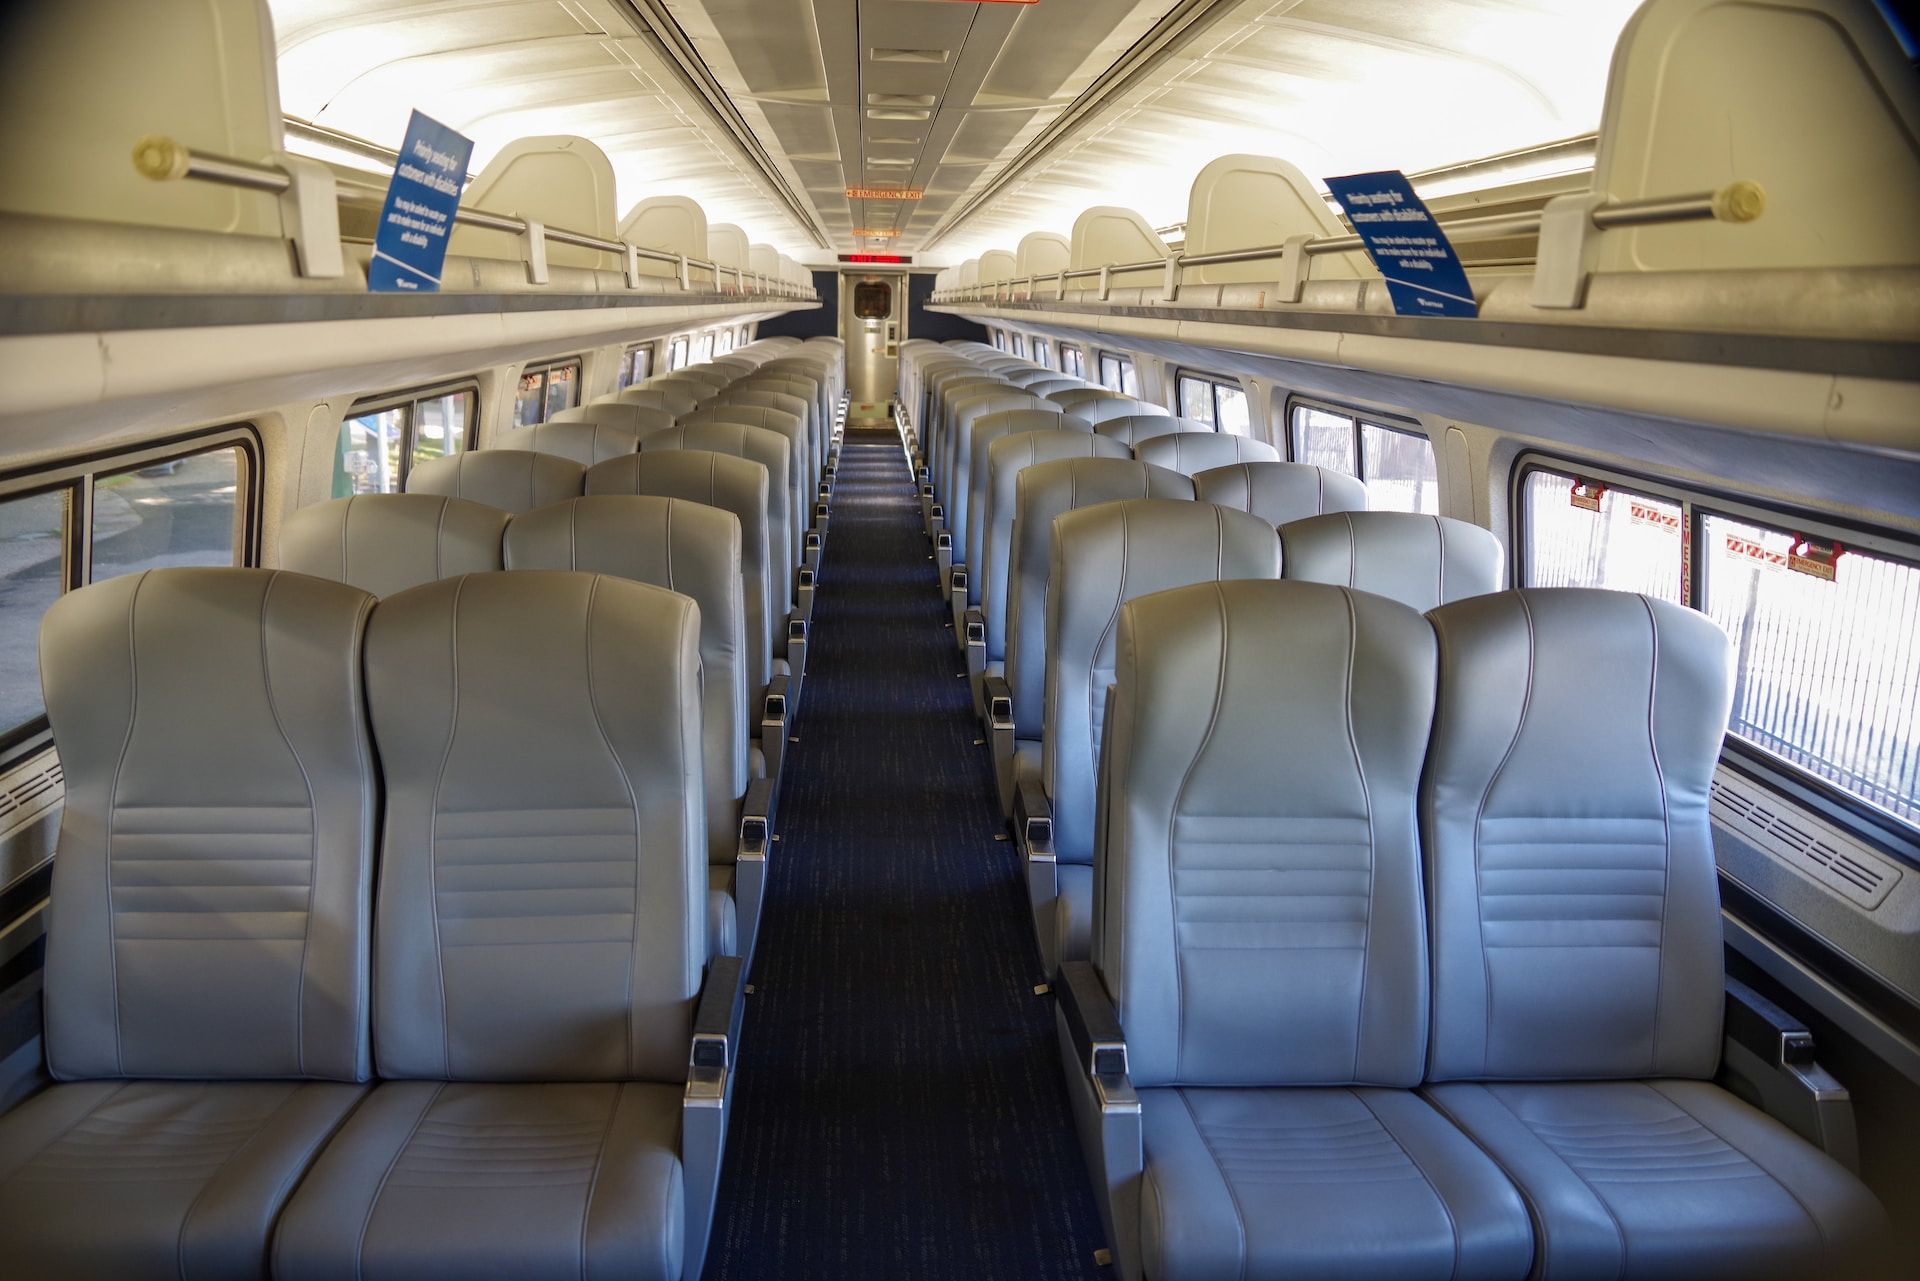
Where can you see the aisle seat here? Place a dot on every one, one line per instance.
(1104, 556)
(386, 543)
(805, 537)
(1242, 1049)
(514, 480)
(692, 549)
(554, 1045)
(206, 1006)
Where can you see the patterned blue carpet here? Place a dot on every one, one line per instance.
(899, 1111)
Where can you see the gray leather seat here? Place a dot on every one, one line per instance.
(540, 946)
(1086, 394)
(1259, 936)
(949, 393)
(1007, 457)
(775, 453)
(737, 485)
(1103, 557)
(1188, 452)
(1050, 382)
(794, 430)
(986, 429)
(1101, 408)
(386, 543)
(694, 550)
(962, 416)
(514, 480)
(207, 940)
(1577, 971)
(1420, 561)
(668, 396)
(1042, 492)
(584, 441)
(799, 384)
(1133, 428)
(620, 415)
(1280, 493)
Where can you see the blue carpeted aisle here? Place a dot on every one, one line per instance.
(900, 1111)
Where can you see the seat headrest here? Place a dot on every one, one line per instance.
(1278, 492)
(1188, 452)
(386, 543)
(513, 480)
(586, 442)
(1420, 561)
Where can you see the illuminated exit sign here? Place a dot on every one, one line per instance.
(884, 193)
(890, 259)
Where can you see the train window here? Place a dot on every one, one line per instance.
(1219, 402)
(383, 438)
(175, 503)
(1019, 344)
(702, 348)
(34, 570)
(184, 511)
(746, 335)
(1073, 361)
(723, 341)
(1042, 353)
(1826, 635)
(677, 355)
(544, 391)
(1580, 533)
(1828, 639)
(636, 365)
(872, 300)
(1397, 463)
(1116, 374)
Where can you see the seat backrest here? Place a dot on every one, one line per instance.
(803, 389)
(957, 450)
(1420, 561)
(685, 547)
(1040, 493)
(789, 426)
(1133, 428)
(984, 430)
(1103, 557)
(1101, 408)
(673, 399)
(514, 480)
(1257, 897)
(1280, 493)
(1007, 457)
(1086, 393)
(386, 543)
(1188, 452)
(618, 414)
(733, 484)
(212, 884)
(714, 378)
(775, 453)
(585, 443)
(541, 913)
(1574, 902)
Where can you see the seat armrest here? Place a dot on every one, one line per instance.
(1773, 1053)
(756, 817)
(997, 696)
(1100, 1047)
(773, 724)
(805, 579)
(716, 1030)
(973, 628)
(1033, 819)
(750, 853)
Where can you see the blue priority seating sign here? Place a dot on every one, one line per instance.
(410, 246)
(1423, 273)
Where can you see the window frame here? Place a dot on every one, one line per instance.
(1018, 344)
(1216, 384)
(1887, 831)
(1361, 418)
(544, 369)
(1080, 360)
(1043, 352)
(407, 398)
(677, 351)
(626, 365)
(77, 474)
(1123, 364)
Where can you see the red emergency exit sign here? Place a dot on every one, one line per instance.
(893, 259)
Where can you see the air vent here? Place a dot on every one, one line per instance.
(910, 55)
(30, 790)
(894, 113)
(890, 162)
(901, 100)
(1810, 846)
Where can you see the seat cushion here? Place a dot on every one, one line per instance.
(1312, 1182)
(1026, 761)
(434, 1180)
(117, 1179)
(723, 919)
(1668, 1178)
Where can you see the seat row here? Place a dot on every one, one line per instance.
(378, 942)
(1406, 954)
(388, 543)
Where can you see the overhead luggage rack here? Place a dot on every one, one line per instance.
(313, 192)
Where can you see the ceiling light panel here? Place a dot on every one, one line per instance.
(924, 57)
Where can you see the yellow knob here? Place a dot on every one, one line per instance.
(160, 158)
(1739, 202)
